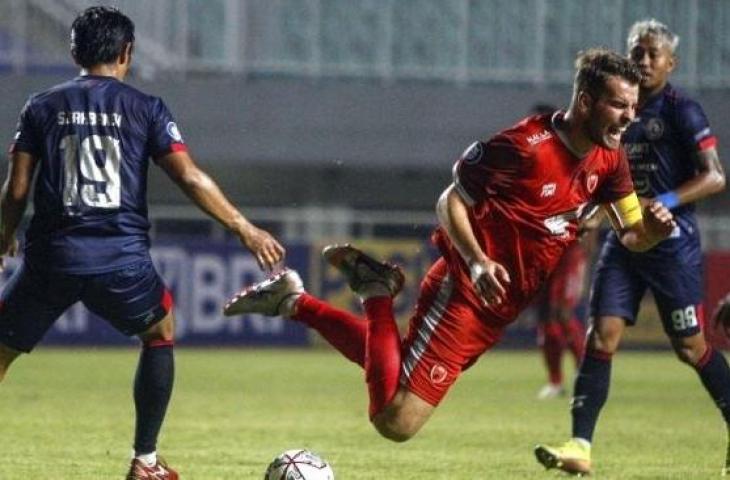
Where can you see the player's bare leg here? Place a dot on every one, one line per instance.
(7, 356)
(403, 417)
(152, 390)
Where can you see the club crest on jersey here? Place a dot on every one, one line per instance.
(654, 128)
(174, 132)
(591, 182)
(473, 153)
(438, 374)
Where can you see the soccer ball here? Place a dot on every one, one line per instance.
(299, 465)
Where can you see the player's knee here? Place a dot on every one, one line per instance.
(606, 335)
(689, 354)
(162, 331)
(395, 425)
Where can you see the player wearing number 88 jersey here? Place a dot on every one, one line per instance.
(90, 140)
(673, 160)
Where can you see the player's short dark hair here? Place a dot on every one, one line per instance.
(99, 35)
(596, 65)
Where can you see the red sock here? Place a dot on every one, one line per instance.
(552, 350)
(575, 333)
(343, 330)
(383, 353)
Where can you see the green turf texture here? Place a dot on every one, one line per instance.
(68, 414)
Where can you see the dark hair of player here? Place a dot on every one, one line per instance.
(595, 66)
(99, 35)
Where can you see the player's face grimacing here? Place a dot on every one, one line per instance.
(655, 60)
(611, 113)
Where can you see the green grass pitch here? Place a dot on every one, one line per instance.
(68, 414)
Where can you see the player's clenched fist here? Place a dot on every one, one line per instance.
(490, 279)
(658, 220)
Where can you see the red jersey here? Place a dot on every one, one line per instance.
(565, 285)
(526, 191)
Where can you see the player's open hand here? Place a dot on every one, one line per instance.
(658, 220)
(490, 280)
(722, 314)
(264, 247)
(8, 248)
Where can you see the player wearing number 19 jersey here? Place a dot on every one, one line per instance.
(93, 137)
(90, 141)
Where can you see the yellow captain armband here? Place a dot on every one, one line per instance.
(624, 212)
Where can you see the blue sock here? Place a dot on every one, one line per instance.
(152, 390)
(590, 393)
(715, 375)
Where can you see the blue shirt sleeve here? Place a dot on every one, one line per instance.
(693, 125)
(164, 135)
(26, 134)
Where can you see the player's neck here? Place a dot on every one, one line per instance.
(570, 133)
(646, 94)
(104, 70)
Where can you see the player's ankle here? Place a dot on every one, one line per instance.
(149, 459)
(288, 307)
(372, 290)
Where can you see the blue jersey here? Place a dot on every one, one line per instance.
(93, 137)
(662, 144)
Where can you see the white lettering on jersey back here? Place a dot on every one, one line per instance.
(539, 137)
(89, 118)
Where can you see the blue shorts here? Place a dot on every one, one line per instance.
(131, 299)
(622, 277)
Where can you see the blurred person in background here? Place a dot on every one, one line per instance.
(558, 325)
(673, 158)
(89, 141)
(510, 213)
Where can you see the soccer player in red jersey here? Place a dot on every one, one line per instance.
(671, 150)
(509, 215)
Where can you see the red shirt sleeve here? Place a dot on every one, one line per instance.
(485, 169)
(617, 182)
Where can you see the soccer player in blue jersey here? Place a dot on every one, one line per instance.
(89, 141)
(673, 160)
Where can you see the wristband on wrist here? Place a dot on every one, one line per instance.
(669, 199)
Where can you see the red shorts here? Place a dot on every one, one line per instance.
(446, 335)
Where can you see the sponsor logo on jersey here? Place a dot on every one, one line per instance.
(548, 190)
(438, 374)
(539, 137)
(473, 153)
(654, 128)
(174, 132)
(592, 182)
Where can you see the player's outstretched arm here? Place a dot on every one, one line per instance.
(639, 231)
(13, 200)
(490, 279)
(207, 195)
